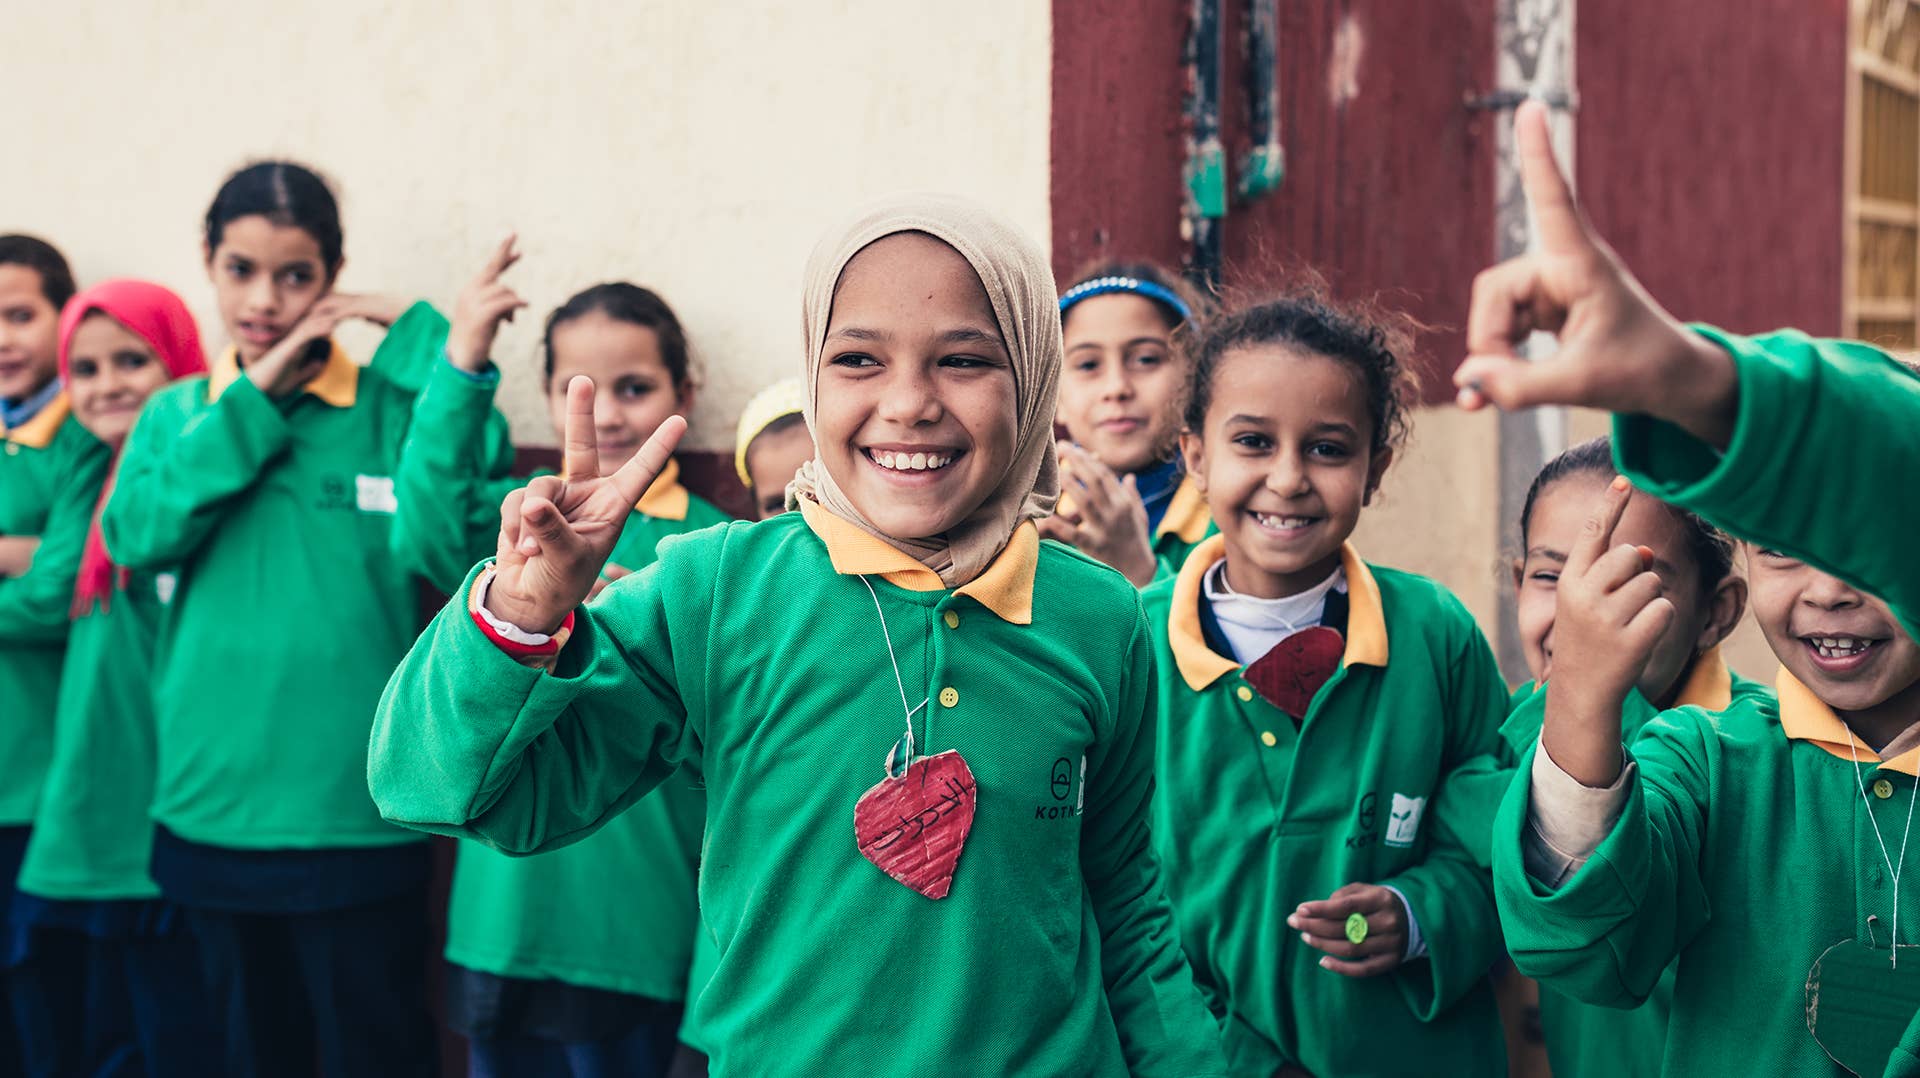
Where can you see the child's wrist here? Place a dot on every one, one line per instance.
(1701, 395)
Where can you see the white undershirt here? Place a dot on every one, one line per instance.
(1254, 626)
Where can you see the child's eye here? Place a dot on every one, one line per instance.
(297, 277)
(854, 360)
(239, 269)
(1258, 442)
(1329, 450)
(1086, 366)
(131, 361)
(966, 362)
(1544, 576)
(82, 368)
(20, 316)
(634, 390)
(1147, 359)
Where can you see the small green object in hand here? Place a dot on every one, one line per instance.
(1356, 928)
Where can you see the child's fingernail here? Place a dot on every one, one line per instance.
(1304, 938)
(1324, 963)
(1619, 482)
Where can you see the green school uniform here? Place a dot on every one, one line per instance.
(549, 917)
(1745, 848)
(275, 515)
(1586, 1041)
(50, 475)
(1254, 815)
(751, 650)
(92, 836)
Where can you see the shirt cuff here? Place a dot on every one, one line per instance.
(1416, 942)
(1567, 821)
(488, 375)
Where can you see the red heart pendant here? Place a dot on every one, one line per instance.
(1290, 674)
(914, 827)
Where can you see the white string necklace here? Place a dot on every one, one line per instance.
(887, 636)
(1859, 778)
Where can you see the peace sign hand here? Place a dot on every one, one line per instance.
(1608, 615)
(1619, 350)
(557, 531)
(483, 305)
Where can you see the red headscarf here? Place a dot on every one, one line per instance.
(158, 317)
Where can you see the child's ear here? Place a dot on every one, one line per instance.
(1376, 471)
(1193, 452)
(1725, 607)
(686, 391)
(1519, 566)
(206, 257)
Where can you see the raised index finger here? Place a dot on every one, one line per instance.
(1597, 535)
(1555, 213)
(580, 458)
(504, 256)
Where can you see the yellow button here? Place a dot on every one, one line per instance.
(953, 619)
(1267, 738)
(949, 696)
(1244, 693)
(1882, 789)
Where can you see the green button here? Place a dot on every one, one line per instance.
(1356, 928)
(1882, 789)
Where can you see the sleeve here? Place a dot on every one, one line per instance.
(1566, 820)
(181, 470)
(411, 346)
(1451, 891)
(451, 478)
(1164, 1025)
(1605, 935)
(34, 606)
(468, 742)
(1804, 404)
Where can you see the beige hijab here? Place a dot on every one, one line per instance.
(1019, 284)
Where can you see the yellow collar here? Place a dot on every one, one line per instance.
(1006, 588)
(336, 384)
(1187, 516)
(35, 433)
(1806, 717)
(1709, 684)
(665, 499)
(1201, 666)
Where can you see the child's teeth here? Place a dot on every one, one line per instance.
(911, 462)
(919, 460)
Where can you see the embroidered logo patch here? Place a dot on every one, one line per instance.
(374, 494)
(1404, 821)
(1064, 783)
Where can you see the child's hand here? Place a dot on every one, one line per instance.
(557, 531)
(1618, 349)
(372, 307)
(1109, 522)
(483, 305)
(608, 575)
(287, 367)
(1323, 926)
(1608, 615)
(16, 554)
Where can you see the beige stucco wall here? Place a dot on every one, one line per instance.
(696, 148)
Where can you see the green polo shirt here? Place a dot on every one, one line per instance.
(752, 650)
(50, 475)
(1255, 814)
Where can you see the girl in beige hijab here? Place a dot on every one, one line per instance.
(926, 737)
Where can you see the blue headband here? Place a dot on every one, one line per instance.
(1100, 286)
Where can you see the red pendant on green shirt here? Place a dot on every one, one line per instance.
(913, 827)
(1290, 674)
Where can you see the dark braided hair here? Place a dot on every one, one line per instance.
(1710, 548)
(1366, 342)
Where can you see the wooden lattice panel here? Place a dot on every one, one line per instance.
(1881, 291)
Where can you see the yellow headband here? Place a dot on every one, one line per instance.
(786, 397)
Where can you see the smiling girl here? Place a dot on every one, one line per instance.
(1313, 708)
(548, 977)
(105, 970)
(266, 489)
(1126, 498)
(924, 733)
